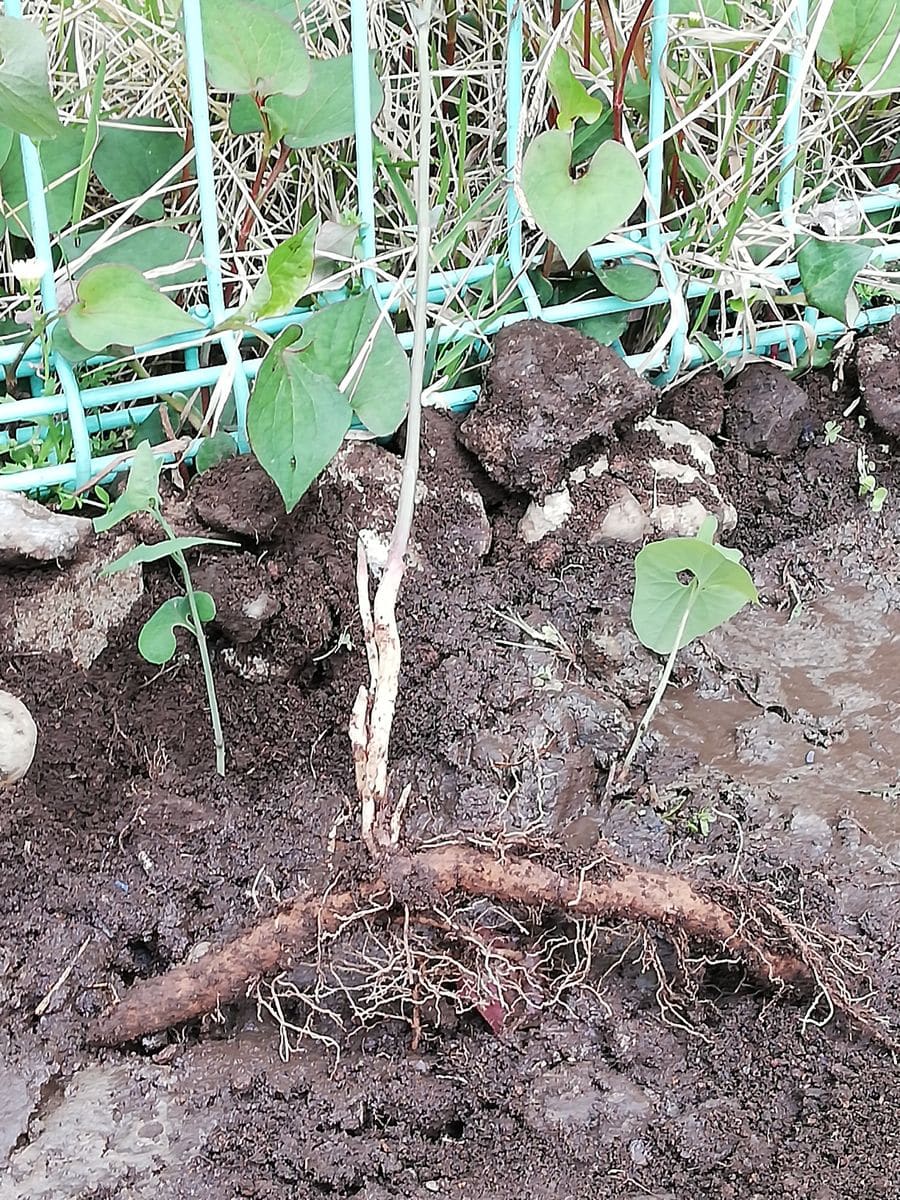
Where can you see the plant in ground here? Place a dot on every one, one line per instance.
(156, 641)
(683, 588)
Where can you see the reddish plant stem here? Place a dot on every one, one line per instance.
(184, 193)
(586, 37)
(258, 193)
(622, 69)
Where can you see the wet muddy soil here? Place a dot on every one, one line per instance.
(773, 764)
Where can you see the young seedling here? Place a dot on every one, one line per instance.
(156, 641)
(683, 588)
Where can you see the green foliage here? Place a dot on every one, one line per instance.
(667, 612)
(132, 156)
(118, 306)
(863, 35)
(213, 450)
(288, 274)
(144, 249)
(573, 101)
(156, 641)
(324, 112)
(576, 213)
(628, 281)
(298, 416)
(252, 50)
(60, 159)
(827, 271)
(296, 419)
(26, 105)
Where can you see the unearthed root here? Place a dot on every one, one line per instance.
(416, 881)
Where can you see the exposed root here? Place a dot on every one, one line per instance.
(414, 883)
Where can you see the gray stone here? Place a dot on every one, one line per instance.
(77, 608)
(18, 738)
(31, 533)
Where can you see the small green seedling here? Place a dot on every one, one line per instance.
(156, 641)
(683, 588)
(833, 431)
(869, 489)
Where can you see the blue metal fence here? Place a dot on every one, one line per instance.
(90, 409)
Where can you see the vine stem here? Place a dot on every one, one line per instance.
(200, 636)
(373, 713)
(657, 696)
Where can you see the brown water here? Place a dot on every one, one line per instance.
(812, 712)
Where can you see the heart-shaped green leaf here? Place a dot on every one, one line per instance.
(324, 113)
(117, 305)
(25, 102)
(576, 213)
(252, 50)
(863, 34)
(827, 271)
(573, 101)
(60, 158)
(132, 156)
(296, 417)
(147, 248)
(213, 450)
(719, 588)
(156, 641)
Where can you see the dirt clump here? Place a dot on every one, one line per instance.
(878, 368)
(766, 410)
(548, 391)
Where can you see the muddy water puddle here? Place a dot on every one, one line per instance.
(806, 707)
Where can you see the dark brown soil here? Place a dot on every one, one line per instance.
(123, 853)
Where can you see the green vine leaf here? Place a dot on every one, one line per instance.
(628, 281)
(324, 113)
(60, 158)
(288, 274)
(26, 105)
(827, 272)
(153, 553)
(863, 34)
(133, 155)
(379, 391)
(252, 50)
(719, 588)
(117, 305)
(573, 101)
(141, 492)
(296, 417)
(156, 641)
(576, 213)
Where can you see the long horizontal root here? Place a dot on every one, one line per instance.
(222, 975)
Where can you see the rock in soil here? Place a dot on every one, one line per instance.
(659, 479)
(878, 367)
(18, 738)
(548, 391)
(766, 411)
(30, 533)
(75, 611)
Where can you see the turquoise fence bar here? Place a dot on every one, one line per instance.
(90, 410)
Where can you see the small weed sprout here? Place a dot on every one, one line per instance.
(833, 430)
(869, 489)
(668, 612)
(156, 641)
